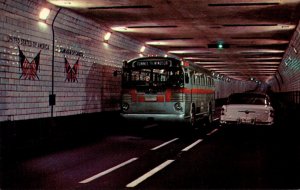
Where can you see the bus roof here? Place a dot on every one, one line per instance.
(153, 58)
(191, 65)
(199, 68)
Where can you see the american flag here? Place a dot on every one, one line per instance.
(72, 72)
(29, 69)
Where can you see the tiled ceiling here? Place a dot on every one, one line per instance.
(255, 34)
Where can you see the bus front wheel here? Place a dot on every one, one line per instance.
(193, 116)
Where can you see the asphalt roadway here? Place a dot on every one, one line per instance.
(151, 156)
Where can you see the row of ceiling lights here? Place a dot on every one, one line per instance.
(44, 13)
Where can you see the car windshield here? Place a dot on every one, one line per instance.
(153, 77)
(256, 99)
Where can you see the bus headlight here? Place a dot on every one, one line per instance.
(125, 106)
(178, 106)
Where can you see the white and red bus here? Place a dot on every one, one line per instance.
(166, 89)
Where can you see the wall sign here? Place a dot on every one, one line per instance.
(70, 52)
(29, 43)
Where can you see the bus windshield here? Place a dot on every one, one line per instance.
(159, 78)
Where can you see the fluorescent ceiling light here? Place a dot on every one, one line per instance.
(142, 49)
(107, 36)
(44, 13)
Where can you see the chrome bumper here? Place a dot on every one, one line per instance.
(155, 117)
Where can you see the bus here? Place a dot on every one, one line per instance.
(166, 89)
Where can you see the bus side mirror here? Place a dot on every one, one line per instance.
(186, 78)
(116, 73)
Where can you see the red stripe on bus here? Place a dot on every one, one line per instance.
(160, 98)
(133, 95)
(168, 95)
(197, 91)
(141, 98)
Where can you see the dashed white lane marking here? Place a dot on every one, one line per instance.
(150, 126)
(213, 131)
(164, 144)
(192, 145)
(149, 174)
(107, 171)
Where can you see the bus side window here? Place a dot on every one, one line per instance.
(186, 78)
(202, 80)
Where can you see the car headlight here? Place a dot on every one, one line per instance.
(223, 110)
(178, 106)
(125, 106)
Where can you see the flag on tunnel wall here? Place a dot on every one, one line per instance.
(71, 72)
(29, 69)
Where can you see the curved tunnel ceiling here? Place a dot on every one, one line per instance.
(254, 34)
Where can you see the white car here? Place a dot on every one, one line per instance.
(247, 108)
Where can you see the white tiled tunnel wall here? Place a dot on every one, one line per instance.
(288, 77)
(97, 90)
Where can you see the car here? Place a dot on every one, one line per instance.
(247, 108)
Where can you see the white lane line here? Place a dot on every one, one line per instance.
(213, 131)
(150, 126)
(149, 174)
(164, 144)
(107, 171)
(192, 145)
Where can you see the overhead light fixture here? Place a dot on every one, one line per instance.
(123, 7)
(44, 13)
(243, 4)
(107, 36)
(250, 25)
(220, 46)
(142, 49)
(149, 26)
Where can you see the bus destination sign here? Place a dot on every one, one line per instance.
(153, 63)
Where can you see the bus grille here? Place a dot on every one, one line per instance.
(176, 97)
